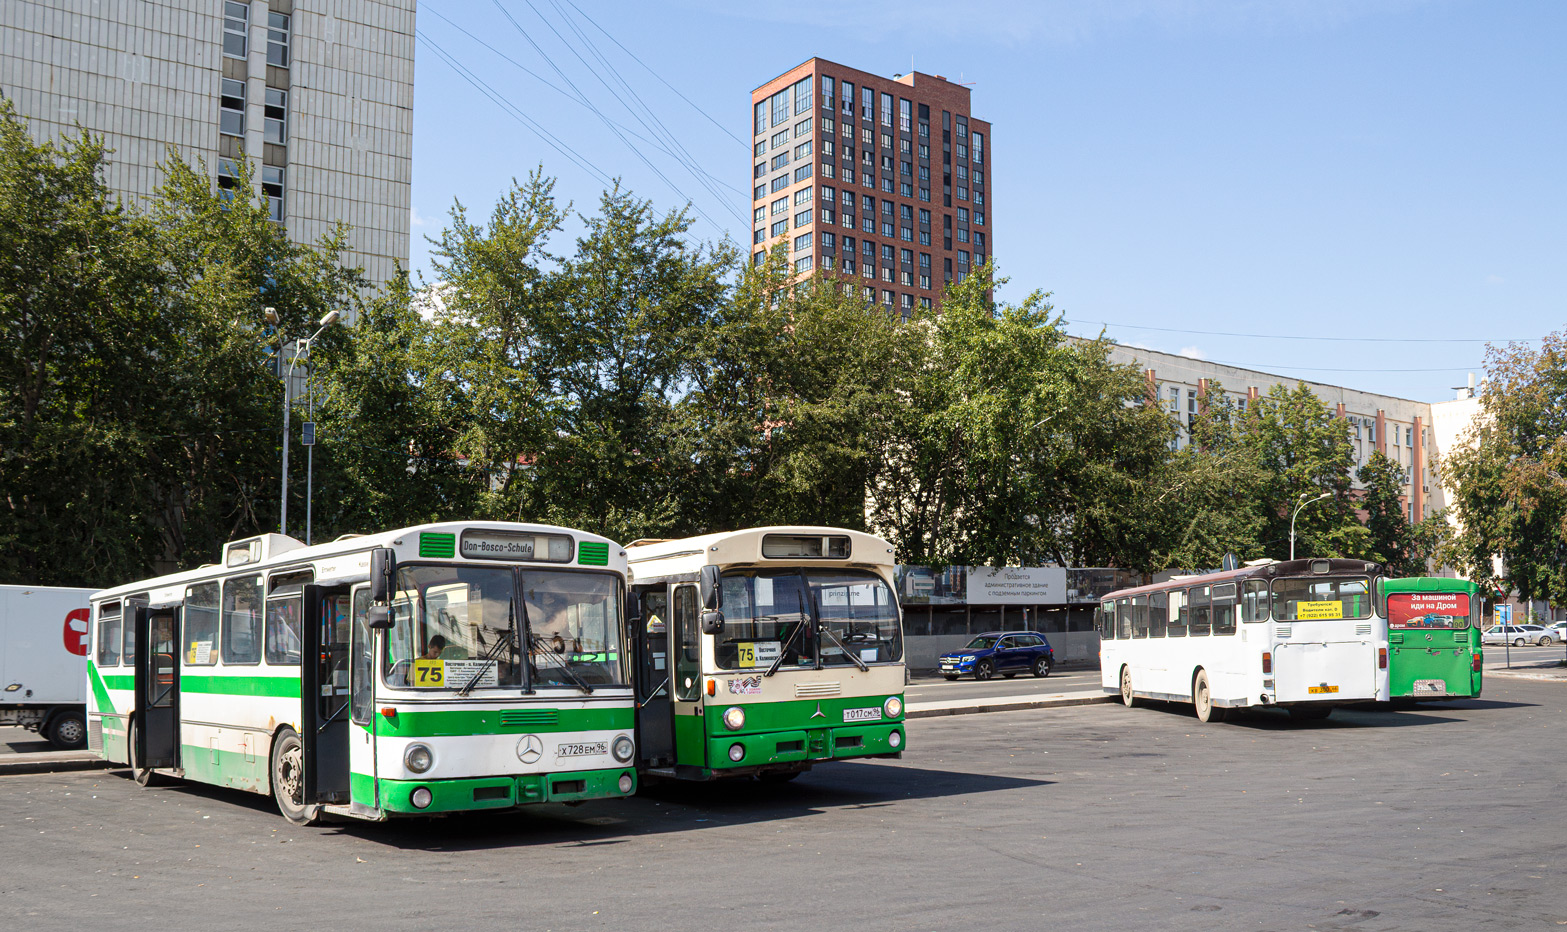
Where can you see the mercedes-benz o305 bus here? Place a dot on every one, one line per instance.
(1433, 637)
(433, 669)
(764, 651)
(1304, 635)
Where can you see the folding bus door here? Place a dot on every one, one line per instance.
(655, 726)
(324, 695)
(157, 742)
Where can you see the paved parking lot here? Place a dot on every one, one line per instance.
(1093, 817)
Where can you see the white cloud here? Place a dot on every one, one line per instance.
(1191, 352)
(1495, 280)
(415, 218)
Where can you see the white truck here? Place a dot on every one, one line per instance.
(43, 662)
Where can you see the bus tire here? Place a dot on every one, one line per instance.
(67, 730)
(984, 670)
(1202, 699)
(142, 775)
(1127, 699)
(288, 779)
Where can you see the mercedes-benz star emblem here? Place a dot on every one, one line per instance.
(818, 713)
(530, 749)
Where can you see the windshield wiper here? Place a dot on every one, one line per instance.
(784, 651)
(845, 648)
(491, 655)
(537, 641)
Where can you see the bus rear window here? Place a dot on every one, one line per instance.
(1428, 610)
(1321, 598)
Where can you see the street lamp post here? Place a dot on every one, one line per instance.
(301, 348)
(1297, 512)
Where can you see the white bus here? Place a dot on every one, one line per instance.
(432, 669)
(1305, 635)
(764, 651)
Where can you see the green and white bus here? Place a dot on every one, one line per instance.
(1433, 637)
(764, 651)
(433, 669)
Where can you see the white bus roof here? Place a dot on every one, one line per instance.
(685, 555)
(278, 550)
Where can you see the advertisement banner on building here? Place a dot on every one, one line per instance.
(1016, 585)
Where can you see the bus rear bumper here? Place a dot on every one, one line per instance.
(506, 792)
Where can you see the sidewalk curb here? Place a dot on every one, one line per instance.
(52, 765)
(1001, 705)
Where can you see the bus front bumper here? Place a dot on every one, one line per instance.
(883, 739)
(505, 792)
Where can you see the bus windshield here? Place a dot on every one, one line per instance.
(1321, 598)
(1428, 610)
(767, 615)
(459, 625)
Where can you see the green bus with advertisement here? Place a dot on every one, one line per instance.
(1433, 629)
(762, 652)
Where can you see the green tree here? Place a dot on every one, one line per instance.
(1509, 475)
(1209, 497)
(1406, 548)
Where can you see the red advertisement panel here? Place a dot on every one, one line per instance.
(1427, 609)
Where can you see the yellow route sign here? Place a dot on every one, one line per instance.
(429, 672)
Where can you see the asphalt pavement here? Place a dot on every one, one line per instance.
(1095, 818)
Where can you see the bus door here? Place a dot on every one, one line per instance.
(324, 693)
(157, 687)
(655, 725)
(361, 706)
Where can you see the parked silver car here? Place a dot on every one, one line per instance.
(1518, 635)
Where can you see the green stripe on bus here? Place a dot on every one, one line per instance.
(286, 687)
(439, 546)
(100, 692)
(592, 554)
(411, 724)
(119, 681)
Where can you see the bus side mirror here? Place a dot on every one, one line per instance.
(382, 565)
(712, 595)
(379, 616)
(712, 622)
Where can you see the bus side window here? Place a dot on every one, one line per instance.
(1179, 613)
(688, 667)
(1140, 617)
(1201, 618)
(109, 635)
(1224, 608)
(1106, 621)
(1123, 619)
(362, 659)
(1158, 617)
(1254, 600)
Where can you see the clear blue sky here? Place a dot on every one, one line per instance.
(1388, 169)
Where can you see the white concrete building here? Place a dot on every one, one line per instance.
(318, 94)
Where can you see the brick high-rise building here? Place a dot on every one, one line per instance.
(881, 181)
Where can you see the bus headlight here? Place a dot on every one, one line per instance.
(418, 758)
(895, 739)
(420, 797)
(623, 748)
(734, 718)
(894, 707)
(626, 783)
(736, 752)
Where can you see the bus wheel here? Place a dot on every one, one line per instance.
(288, 779)
(1126, 687)
(1202, 698)
(68, 730)
(142, 775)
(984, 670)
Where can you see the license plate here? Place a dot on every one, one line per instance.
(862, 715)
(582, 750)
(1321, 689)
(1437, 687)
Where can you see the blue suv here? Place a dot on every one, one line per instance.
(1005, 652)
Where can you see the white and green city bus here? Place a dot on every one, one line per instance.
(764, 651)
(433, 669)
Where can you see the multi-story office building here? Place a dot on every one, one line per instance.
(879, 181)
(317, 94)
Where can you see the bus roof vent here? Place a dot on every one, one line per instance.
(257, 549)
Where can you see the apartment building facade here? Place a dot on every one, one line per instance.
(882, 183)
(316, 94)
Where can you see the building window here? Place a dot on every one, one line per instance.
(272, 189)
(236, 29)
(906, 234)
(231, 108)
(979, 218)
(761, 124)
(979, 151)
(759, 193)
(802, 95)
(780, 228)
(963, 215)
(827, 216)
(905, 115)
(803, 264)
(760, 213)
(276, 116)
(801, 128)
(803, 149)
(827, 91)
(228, 178)
(887, 298)
(867, 106)
(962, 234)
(846, 95)
(802, 218)
(277, 39)
(848, 265)
(780, 102)
(780, 160)
(886, 109)
(827, 152)
(780, 206)
(802, 243)
(802, 173)
(759, 236)
(802, 196)
(827, 240)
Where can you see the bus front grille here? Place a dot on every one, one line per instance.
(816, 690)
(529, 718)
